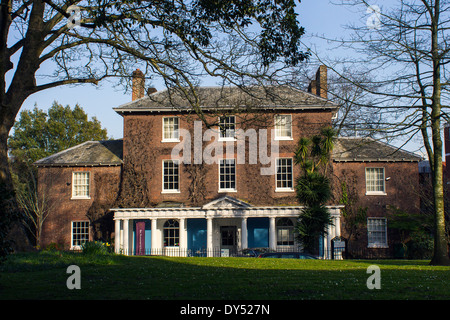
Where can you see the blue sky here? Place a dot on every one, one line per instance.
(317, 16)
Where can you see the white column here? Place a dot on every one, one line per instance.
(337, 224)
(126, 237)
(154, 236)
(244, 237)
(327, 242)
(117, 236)
(183, 237)
(272, 234)
(209, 236)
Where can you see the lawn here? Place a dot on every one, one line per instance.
(43, 276)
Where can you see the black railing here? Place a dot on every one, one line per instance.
(337, 253)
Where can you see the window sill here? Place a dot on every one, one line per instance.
(283, 138)
(227, 190)
(170, 191)
(284, 190)
(378, 246)
(80, 198)
(227, 139)
(375, 193)
(170, 140)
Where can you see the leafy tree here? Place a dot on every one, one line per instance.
(38, 134)
(313, 188)
(179, 42)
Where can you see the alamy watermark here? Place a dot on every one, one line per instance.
(260, 144)
(374, 21)
(74, 280)
(74, 19)
(374, 281)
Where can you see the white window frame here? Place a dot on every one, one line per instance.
(173, 129)
(285, 233)
(284, 189)
(72, 233)
(171, 233)
(372, 241)
(164, 190)
(230, 134)
(75, 184)
(383, 181)
(281, 128)
(235, 180)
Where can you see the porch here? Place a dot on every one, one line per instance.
(223, 227)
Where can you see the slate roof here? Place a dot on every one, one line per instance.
(369, 149)
(260, 98)
(89, 153)
(110, 153)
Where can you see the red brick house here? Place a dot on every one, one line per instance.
(378, 179)
(173, 185)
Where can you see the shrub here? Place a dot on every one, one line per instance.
(53, 247)
(96, 248)
(420, 246)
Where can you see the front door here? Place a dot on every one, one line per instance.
(228, 238)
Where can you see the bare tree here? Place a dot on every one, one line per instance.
(403, 49)
(35, 206)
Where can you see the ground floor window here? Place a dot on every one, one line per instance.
(377, 233)
(171, 233)
(80, 233)
(285, 232)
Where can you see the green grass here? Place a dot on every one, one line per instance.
(43, 276)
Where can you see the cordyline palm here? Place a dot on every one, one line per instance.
(313, 188)
(315, 152)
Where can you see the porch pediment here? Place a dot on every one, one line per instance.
(226, 202)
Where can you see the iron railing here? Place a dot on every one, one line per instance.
(337, 253)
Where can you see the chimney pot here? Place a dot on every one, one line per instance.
(151, 90)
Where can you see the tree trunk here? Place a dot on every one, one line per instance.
(8, 203)
(440, 256)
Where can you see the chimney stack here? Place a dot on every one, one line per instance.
(319, 86)
(138, 85)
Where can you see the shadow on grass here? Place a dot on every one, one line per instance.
(43, 276)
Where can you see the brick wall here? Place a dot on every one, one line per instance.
(55, 183)
(145, 151)
(402, 192)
